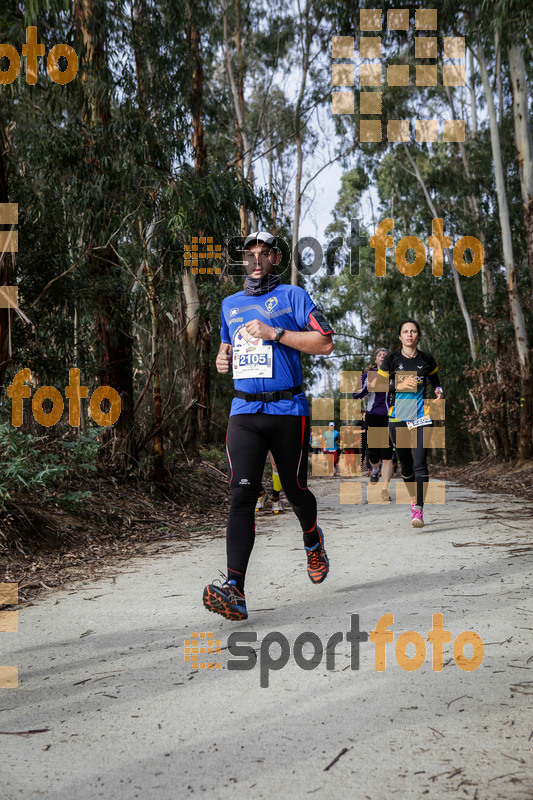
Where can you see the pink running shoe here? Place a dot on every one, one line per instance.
(417, 517)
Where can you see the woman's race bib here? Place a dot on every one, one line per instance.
(417, 423)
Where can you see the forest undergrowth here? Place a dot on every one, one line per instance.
(75, 526)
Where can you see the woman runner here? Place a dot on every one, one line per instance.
(377, 417)
(406, 405)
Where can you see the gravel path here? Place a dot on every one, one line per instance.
(102, 667)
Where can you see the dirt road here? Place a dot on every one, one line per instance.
(121, 714)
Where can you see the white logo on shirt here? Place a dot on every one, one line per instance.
(233, 312)
(400, 366)
(244, 482)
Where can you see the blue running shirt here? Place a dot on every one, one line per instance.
(286, 307)
(331, 437)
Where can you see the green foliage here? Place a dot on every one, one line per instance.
(97, 164)
(215, 456)
(33, 8)
(20, 469)
(28, 467)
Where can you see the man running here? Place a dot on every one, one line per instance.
(263, 330)
(331, 447)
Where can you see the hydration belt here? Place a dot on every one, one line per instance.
(269, 397)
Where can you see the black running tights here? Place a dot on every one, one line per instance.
(248, 440)
(413, 462)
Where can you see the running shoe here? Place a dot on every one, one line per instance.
(317, 560)
(261, 500)
(385, 494)
(417, 516)
(374, 477)
(225, 599)
(277, 508)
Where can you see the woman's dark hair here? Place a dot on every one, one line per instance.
(413, 322)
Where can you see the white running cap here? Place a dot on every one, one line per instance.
(260, 236)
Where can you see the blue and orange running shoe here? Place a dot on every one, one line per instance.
(225, 599)
(317, 560)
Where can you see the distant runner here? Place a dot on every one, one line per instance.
(350, 445)
(316, 436)
(277, 508)
(377, 417)
(331, 446)
(406, 406)
(263, 330)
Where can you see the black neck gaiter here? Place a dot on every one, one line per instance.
(264, 285)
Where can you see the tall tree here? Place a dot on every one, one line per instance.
(6, 275)
(524, 147)
(112, 320)
(517, 314)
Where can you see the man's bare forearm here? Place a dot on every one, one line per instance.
(311, 342)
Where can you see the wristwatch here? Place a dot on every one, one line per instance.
(279, 334)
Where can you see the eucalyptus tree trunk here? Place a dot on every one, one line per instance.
(112, 321)
(522, 131)
(157, 417)
(190, 288)
(6, 314)
(498, 75)
(487, 276)
(196, 386)
(244, 148)
(458, 289)
(472, 92)
(517, 314)
(305, 44)
(297, 200)
(271, 179)
(143, 70)
(487, 441)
